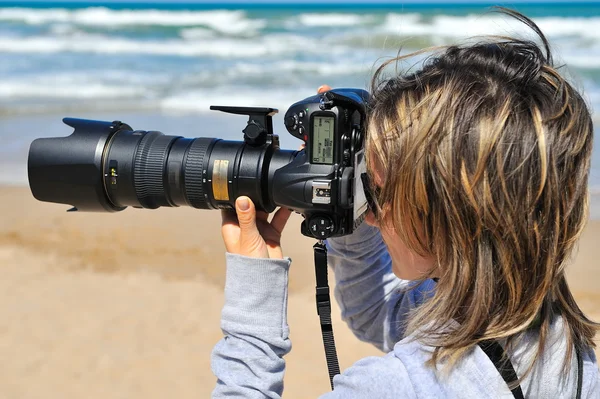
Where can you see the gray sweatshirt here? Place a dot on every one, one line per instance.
(248, 361)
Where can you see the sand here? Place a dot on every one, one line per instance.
(127, 305)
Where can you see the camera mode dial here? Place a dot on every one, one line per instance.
(321, 226)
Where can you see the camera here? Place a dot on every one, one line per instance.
(107, 166)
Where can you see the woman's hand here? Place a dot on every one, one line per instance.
(249, 233)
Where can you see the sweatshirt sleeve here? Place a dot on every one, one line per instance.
(248, 361)
(374, 302)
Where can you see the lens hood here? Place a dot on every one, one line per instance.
(68, 170)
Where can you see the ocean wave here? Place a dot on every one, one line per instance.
(586, 59)
(294, 67)
(196, 33)
(95, 97)
(216, 47)
(53, 90)
(201, 43)
(447, 26)
(331, 20)
(93, 84)
(143, 84)
(224, 21)
(238, 22)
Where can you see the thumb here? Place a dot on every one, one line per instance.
(246, 213)
(250, 238)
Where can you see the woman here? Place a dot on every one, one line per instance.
(480, 163)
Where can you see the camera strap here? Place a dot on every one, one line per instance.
(496, 353)
(324, 310)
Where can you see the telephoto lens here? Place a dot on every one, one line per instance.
(107, 166)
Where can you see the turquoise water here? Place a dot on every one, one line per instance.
(74, 58)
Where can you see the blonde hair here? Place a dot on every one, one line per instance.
(484, 155)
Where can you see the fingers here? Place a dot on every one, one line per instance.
(280, 219)
(230, 231)
(262, 215)
(323, 89)
(228, 216)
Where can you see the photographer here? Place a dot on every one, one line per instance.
(479, 163)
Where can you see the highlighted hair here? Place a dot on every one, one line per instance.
(484, 155)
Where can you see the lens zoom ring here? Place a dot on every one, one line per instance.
(149, 169)
(194, 167)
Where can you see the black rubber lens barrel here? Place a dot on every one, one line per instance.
(195, 172)
(150, 163)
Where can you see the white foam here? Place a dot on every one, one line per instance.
(293, 67)
(100, 44)
(225, 20)
(57, 90)
(196, 33)
(452, 27)
(584, 27)
(332, 19)
(405, 24)
(34, 17)
(63, 29)
(81, 85)
(582, 59)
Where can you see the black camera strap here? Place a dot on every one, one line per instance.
(494, 351)
(324, 310)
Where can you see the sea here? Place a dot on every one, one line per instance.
(161, 65)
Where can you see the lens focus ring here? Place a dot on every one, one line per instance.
(149, 169)
(195, 166)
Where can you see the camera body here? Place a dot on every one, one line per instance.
(107, 166)
(323, 183)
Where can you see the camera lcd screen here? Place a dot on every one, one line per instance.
(322, 140)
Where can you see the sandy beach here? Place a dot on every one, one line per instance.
(127, 305)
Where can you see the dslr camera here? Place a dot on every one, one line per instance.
(107, 166)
